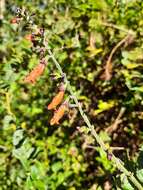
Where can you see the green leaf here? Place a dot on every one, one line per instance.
(37, 171)
(125, 183)
(104, 136)
(6, 121)
(39, 185)
(29, 185)
(140, 175)
(23, 152)
(63, 24)
(103, 106)
(56, 166)
(18, 136)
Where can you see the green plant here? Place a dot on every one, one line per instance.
(58, 162)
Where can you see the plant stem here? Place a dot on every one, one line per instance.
(118, 28)
(113, 127)
(2, 9)
(108, 66)
(116, 161)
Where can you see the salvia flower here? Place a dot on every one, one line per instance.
(35, 73)
(57, 99)
(58, 114)
(29, 37)
(15, 20)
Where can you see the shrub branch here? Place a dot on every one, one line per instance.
(116, 161)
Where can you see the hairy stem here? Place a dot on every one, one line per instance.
(116, 161)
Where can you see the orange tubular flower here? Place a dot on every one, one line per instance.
(15, 20)
(35, 73)
(59, 114)
(56, 100)
(29, 37)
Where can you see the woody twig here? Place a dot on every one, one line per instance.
(116, 123)
(108, 67)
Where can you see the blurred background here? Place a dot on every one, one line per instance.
(99, 45)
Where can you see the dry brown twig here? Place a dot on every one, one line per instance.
(117, 27)
(116, 123)
(126, 40)
(92, 41)
(111, 148)
(108, 67)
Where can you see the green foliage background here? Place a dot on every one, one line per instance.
(35, 155)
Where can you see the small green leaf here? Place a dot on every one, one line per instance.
(125, 183)
(37, 171)
(56, 166)
(39, 185)
(62, 25)
(7, 119)
(103, 106)
(29, 184)
(18, 136)
(140, 175)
